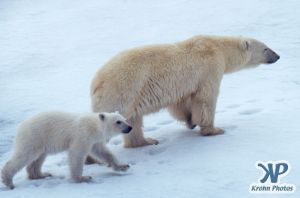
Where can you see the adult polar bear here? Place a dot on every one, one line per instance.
(184, 77)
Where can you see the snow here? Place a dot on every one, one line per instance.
(50, 51)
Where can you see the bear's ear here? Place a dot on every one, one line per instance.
(245, 45)
(101, 116)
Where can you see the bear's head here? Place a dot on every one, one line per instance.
(258, 53)
(114, 124)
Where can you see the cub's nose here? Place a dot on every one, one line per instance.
(127, 130)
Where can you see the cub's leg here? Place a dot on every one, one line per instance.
(100, 151)
(203, 109)
(90, 160)
(34, 169)
(18, 161)
(136, 137)
(77, 155)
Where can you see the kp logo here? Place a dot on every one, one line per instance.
(270, 180)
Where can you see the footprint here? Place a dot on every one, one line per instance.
(5, 122)
(150, 128)
(152, 172)
(132, 162)
(165, 122)
(252, 101)
(163, 162)
(5, 189)
(155, 151)
(233, 106)
(250, 111)
(47, 182)
(162, 140)
(229, 127)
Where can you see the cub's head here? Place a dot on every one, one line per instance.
(258, 53)
(114, 123)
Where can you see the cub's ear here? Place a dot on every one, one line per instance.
(245, 45)
(102, 116)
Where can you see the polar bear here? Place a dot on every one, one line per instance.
(53, 132)
(184, 77)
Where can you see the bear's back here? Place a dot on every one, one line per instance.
(47, 128)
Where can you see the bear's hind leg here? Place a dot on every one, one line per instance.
(100, 152)
(8, 172)
(182, 112)
(34, 169)
(136, 137)
(16, 163)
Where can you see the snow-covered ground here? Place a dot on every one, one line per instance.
(50, 50)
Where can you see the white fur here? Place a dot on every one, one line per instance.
(184, 77)
(53, 132)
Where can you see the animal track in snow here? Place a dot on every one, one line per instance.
(48, 181)
(229, 127)
(165, 122)
(252, 101)
(150, 128)
(163, 162)
(250, 111)
(220, 111)
(155, 150)
(233, 106)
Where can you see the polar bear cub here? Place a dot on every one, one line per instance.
(53, 132)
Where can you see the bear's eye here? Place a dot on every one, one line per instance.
(265, 49)
(118, 122)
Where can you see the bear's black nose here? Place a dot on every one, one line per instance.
(127, 130)
(272, 57)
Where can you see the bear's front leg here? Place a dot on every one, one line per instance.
(136, 137)
(77, 155)
(203, 109)
(100, 152)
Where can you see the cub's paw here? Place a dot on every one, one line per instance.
(8, 182)
(89, 160)
(83, 179)
(46, 175)
(40, 176)
(150, 141)
(121, 167)
(211, 131)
